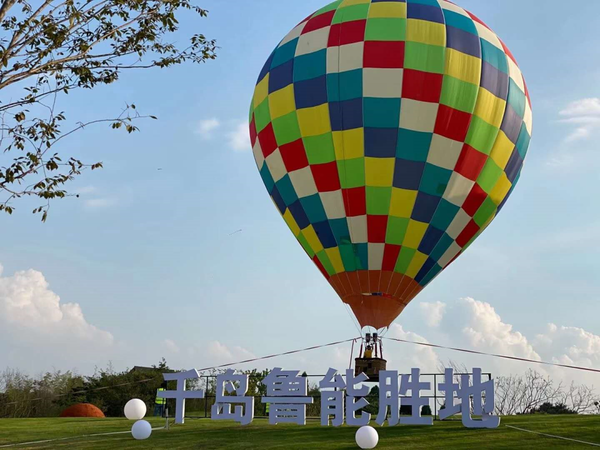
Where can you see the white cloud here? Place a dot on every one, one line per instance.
(485, 330)
(586, 114)
(583, 107)
(404, 358)
(207, 354)
(222, 354)
(579, 134)
(26, 302)
(569, 345)
(239, 139)
(37, 328)
(432, 312)
(471, 324)
(205, 127)
(585, 120)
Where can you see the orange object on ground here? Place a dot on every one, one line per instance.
(82, 410)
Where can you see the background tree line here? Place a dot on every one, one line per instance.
(48, 394)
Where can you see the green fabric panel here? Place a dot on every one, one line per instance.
(378, 200)
(305, 245)
(386, 29)
(396, 230)
(352, 172)
(425, 57)
(319, 149)
(331, 7)
(485, 211)
(262, 114)
(481, 135)
(404, 259)
(350, 13)
(326, 262)
(459, 94)
(287, 129)
(348, 257)
(489, 176)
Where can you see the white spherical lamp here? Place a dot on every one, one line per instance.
(367, 437)
(135, 409)
(141, 430)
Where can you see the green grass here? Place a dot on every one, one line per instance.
(206, 434)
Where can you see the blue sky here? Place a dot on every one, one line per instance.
(150, 258)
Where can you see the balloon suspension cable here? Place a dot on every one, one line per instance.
(353, 319)
(351, 354)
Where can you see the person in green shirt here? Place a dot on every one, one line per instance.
(159, 404)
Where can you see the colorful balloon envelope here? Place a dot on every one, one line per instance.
(389, 134)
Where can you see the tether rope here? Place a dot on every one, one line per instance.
(476, 352)
(314, 347)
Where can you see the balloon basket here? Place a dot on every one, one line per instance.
(370, 367)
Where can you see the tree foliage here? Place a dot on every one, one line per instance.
(550, 408)
(53, 47)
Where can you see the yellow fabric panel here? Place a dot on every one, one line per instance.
(426, 32)
(388, 10)
(349, 144)
(416, 264)
(414, 234)
(501, 189)
(312, 239)
(379, 172)
(462, 66)
(402, 203)
(314, 121)
(289, 219)
(261, 92)
(282, 102)
(336, 259)
(490, 108)
(502, 150)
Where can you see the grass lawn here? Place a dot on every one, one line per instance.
(206, 434)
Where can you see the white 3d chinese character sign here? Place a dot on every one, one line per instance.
(343, 398)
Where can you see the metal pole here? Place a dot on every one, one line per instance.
(206, 400)
(435, 395)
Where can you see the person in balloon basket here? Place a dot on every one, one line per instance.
(368, 352)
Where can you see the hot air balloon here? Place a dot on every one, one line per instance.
(389, 135)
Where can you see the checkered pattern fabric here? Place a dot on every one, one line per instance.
(389, 134)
